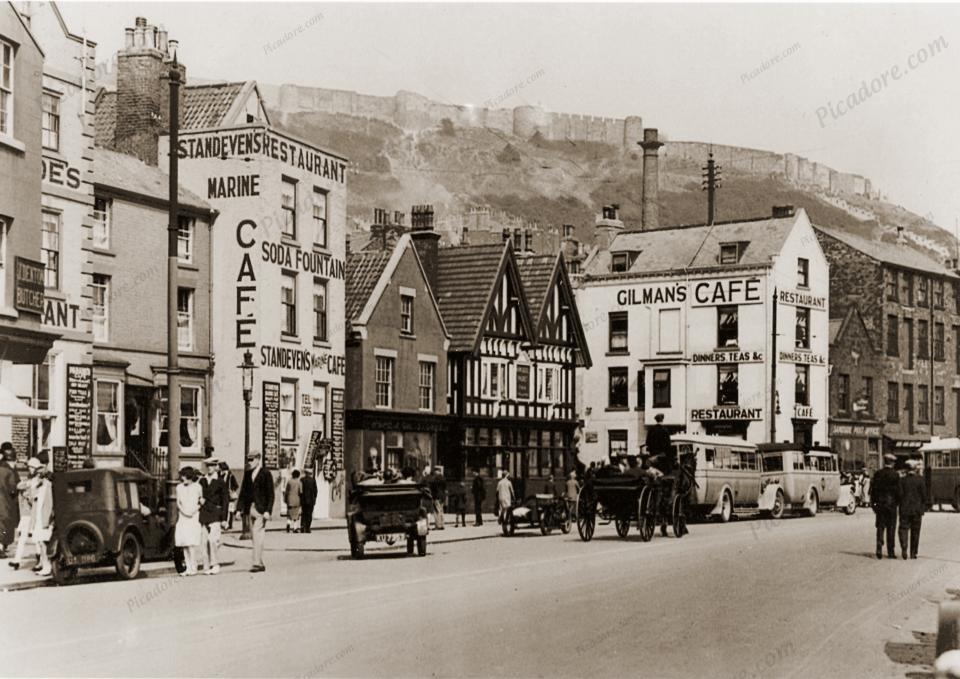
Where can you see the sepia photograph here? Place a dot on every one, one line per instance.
(494, 340)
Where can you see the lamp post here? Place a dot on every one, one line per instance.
(173, 358)
(246, 370)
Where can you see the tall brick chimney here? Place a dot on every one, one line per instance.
(650, 213)
(426, 241)
(143, 89)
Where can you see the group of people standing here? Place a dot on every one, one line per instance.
(894, 496)
(26, 510)
(203, 511)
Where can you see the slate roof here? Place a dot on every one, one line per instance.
(466, 275)
(105, 120)
(363, 271)
(536, 273)
(890, 253)
(204, 106)
(696, 247)
(127, 173)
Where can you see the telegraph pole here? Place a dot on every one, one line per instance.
(711, 182)
(173, 356)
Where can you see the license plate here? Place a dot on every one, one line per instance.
(387, 538)
(84, 559)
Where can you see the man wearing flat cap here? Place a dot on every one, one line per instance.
(913, 503)
(256, 497)
(885, 500)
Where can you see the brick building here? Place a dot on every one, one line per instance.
(856, 368)
(910, 303)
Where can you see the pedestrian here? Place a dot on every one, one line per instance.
(504, 495)
(438, 490)
(291, 496)
(885, 500)
(256, 499)
(571, 491)
(479, 495)
(188, 533)
(9, 502)
(213, 515)
(308, 499)
(26, 495)
(658, 443)
(913, 503)
(460, 504)
(42, 522)
(233, 491)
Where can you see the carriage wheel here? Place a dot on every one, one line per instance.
(565, 523)
(586, 515)
(645, 518)
(623, 527)
(679, 517)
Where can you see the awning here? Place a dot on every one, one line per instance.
(12, 406)
(25, 345)
(906, 442)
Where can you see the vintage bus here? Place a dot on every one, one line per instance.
(941, 470)
(800, 479)
(727, 474)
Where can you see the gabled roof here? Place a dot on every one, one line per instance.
(698, 247)
(215, 104)
(840, 326)
(901, 255)
(131, 175)
(105, 118)
(467, 277)
(26, 27)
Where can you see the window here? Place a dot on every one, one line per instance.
(938, 341)
(427, 375)
(801, 392)
(618, 332)
(523, 382)
(185, 319)
(893, 336)
(100, 307)
(185, 231)
(617, 442)
(908, 331)
(319, 310)
(6, 88)
(728, 333)
(893, 402)
(3, 261)
(547, 383)
(729, 253)
(802, 328)
(102, 209)
(108, 415)
(406, 314)
(288, 299)
(956, 346)
(319, 407)
(938, 297)
(868, 395)
(906, 287)
(618, 391)
(669, 330)
(50, 124)
(923, 404)
(494, 380)
(641, 390)
(288, 203)
(661, 388)
(939, 416)
(383, 382)
(843, 393)
(923, 339)
(728, 392)
(923, 292)
(620, 262)
(190, 431)
(319, 217)
(890, 282)
(803, 272)
(50, 249)
(288, 410)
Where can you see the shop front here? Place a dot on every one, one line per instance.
(856, 443)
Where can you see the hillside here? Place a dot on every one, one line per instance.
(566, 182)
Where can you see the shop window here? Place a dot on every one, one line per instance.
(728, 392)
(893, 336)
(893, 402)
(843, 393)
(185, 319)
(288, 300)
(803, 272)
(318, 402)
(100, 307)
(6, 87)
(728, 325)
(319, 217)
(661, 388)
(923, 339)
(50, 122)
(618, 388)
(108, 415)
(383, 382)
(406, 314)
(190, 423)
(50, 249)
(802, 328)
(288, 205)
(288, 410)
(428, 372)
(319, 310)
(802, 385)
(618, 332)
(102, 215)
(186, 229)
(617, 442)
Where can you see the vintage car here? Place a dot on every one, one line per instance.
(382, 512)
(800, 479)
(106, 517)
(545, 511)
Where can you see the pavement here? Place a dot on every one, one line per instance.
(752, 598)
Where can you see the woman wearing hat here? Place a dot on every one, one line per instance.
(188, 532)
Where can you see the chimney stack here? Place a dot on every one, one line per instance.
(426, 241)
(607, 226)
(901, 236)
(650, 216)
(781, 211)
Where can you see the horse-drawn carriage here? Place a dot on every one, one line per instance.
(636, 495)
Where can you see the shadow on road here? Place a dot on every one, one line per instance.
(922, 652)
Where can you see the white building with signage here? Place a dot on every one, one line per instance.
(698, 323)
(278, 285)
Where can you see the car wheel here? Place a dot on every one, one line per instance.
(726, 507)
(779, 506)
(129, 558)
(422, 545)
(62, 574)
(813, 503)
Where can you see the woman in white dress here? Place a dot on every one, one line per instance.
(187, 534)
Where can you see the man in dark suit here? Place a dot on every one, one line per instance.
(658, 446)
(213, 514)
(479, 495)
(308, 499)
(438, 490)
(885, 499)
(256, 497)
(913, 503)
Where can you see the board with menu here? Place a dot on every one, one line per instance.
(79, 413)
(271, 425)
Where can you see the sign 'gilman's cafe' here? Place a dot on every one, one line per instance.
(721, 329)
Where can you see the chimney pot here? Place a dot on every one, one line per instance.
(138, 36)
(162, 42)
(141, 22)
(128, 38)
(173, 45)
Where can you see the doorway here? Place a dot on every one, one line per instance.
(136, 417)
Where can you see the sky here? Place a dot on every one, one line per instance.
(817, 80)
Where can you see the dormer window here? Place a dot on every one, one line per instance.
(620, 262)
(729, 253)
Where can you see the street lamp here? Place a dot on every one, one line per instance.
(246, 371)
